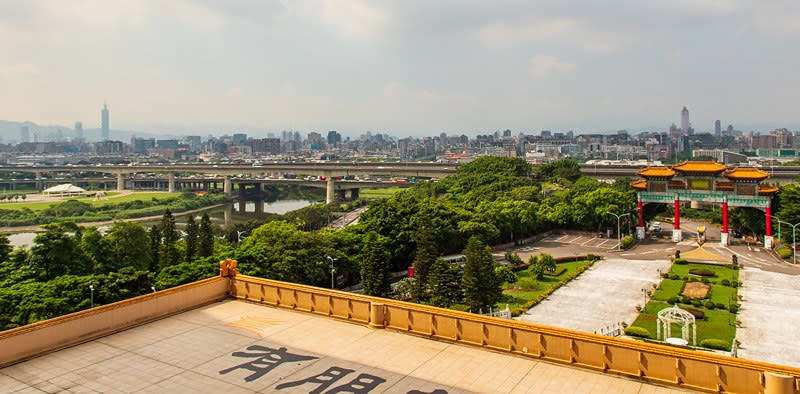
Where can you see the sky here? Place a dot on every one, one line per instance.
(401, 67)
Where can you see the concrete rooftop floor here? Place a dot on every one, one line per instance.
(240, 347)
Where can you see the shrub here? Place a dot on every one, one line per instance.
(673, 300)
(785, 253)
(734, 308)
(686, 300)
(697, 303)
(718, 344)
(505, 274)
(665, 275)
(685, 278)
(735, 283)
(674, 276)
(692, 279)
(698, 314)
(527, 284)
(627, 242)
(559, 272)
(706, 281)
(726, 282)
(591, 257)
(721, 306)
(680, 261)
(702, 272)
(710, 305)
(640, 332)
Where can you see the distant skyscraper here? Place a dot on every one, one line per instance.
(78, 130)
(24, 134)
(717, 127)
(104, 121)
(685, 121)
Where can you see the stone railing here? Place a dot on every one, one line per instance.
(649, 362)
(50, 335)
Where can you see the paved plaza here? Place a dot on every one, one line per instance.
(770, 317)
(604, 295)
(239, 347)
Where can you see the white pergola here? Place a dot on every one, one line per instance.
(668, 316)
(66, 189)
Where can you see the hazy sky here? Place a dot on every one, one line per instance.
(402, 67)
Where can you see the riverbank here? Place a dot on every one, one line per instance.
(38, 228)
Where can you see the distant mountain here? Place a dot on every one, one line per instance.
(10, 132)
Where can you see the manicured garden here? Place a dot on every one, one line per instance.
(714, 307)
(528, 291)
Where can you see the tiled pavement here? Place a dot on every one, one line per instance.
(238, 347)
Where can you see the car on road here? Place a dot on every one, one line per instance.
(655, 227)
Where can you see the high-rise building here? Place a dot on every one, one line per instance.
(717, 127)
(239, 138)
(104, 123)
(24, 134)
(334, 137)
(685, 121)
(78, 130)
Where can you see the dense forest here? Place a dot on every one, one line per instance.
(489, 201)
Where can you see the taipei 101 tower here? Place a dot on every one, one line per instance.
(104, 123)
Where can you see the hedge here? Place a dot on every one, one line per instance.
(718, 344)
(702, 272)
(640, 332)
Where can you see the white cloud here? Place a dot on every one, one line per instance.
(20, 70)
(353, 18)
(511, 33)
(542, 65)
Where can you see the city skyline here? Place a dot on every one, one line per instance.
(413, 69)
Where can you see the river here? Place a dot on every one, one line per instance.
(234, 212)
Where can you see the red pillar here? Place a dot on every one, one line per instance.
(724, 216)
(677, 221)
(641, 212)
(769, 221)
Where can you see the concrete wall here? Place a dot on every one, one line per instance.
(689, 369)
(50, 335)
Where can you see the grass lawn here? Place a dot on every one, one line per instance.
(527, 288)
(377, 194)
(111, 198)
(718, 323)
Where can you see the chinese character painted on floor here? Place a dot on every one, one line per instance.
(324, 380)
(264, 360)
(362, 384)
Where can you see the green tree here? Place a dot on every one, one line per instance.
(375, 266)
(169, 238)
(479, 282)
(425, 256)
(97, 249)
(57, 251)
(192, 232)
(5, 247)
(155, 247)
(545, 263)
(205, 237)
(445, 278)
(126, 240)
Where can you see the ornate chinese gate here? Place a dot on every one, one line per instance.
(705, 182)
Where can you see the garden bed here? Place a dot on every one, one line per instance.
(718, 322)
(527, 291)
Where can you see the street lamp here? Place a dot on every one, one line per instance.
(619, 238)
(794, 227)
(644, 292)
(91, 296)
(331, 261)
